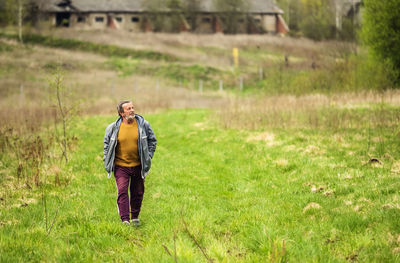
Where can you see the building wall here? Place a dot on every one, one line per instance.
(257, 19)
(217, 25)
(79, 21)
(184, 25)
(47, 19)
(269, 23)
(281, 26)
(241, 25)
(97, 20)
(51, 18)
(204, 24)
(130, 22)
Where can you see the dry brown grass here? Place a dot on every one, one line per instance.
(345, 110)
(159, 41)
(215, 49)
(98, 87)
(89, 80)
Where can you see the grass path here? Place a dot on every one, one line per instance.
(242, 196)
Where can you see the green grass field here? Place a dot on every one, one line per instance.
(220, 195)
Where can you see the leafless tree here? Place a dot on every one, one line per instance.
(190, 9)
(232, 12)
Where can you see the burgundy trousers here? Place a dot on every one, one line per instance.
(124, 175)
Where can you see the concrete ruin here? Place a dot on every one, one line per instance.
(259, 17)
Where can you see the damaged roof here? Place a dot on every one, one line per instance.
(92, 6)
(253, 6)
(349, 5)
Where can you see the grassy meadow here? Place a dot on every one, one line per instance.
(237, 195)
(300, 164)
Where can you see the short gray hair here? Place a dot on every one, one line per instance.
(120, 109)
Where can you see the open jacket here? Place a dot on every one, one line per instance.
(146, 144)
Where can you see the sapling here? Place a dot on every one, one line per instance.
(66, 111)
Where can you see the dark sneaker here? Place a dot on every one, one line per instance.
(135, 222)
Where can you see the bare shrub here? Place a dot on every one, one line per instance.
(24, 155)
(64, 112)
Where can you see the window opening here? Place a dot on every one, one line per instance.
(99, 19)
(206, 20)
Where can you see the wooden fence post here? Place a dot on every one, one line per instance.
(113, 88)
(201, 86)
(21, 92)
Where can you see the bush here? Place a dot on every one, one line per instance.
(317, 29)
(381, 32)
(5, 47)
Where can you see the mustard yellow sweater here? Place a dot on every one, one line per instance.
(126, 153)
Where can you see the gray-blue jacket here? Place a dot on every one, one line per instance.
(146, 144)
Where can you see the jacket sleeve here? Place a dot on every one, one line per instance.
(151, 139)
(107, 137)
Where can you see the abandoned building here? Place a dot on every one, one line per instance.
(350, 9)
(206, 17)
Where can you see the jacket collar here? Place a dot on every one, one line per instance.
(138, 118)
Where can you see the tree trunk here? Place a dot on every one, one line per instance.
(20, 21)
(338, 19)
(288, 13)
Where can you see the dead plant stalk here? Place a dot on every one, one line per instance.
(203, 251)
(63, 116)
